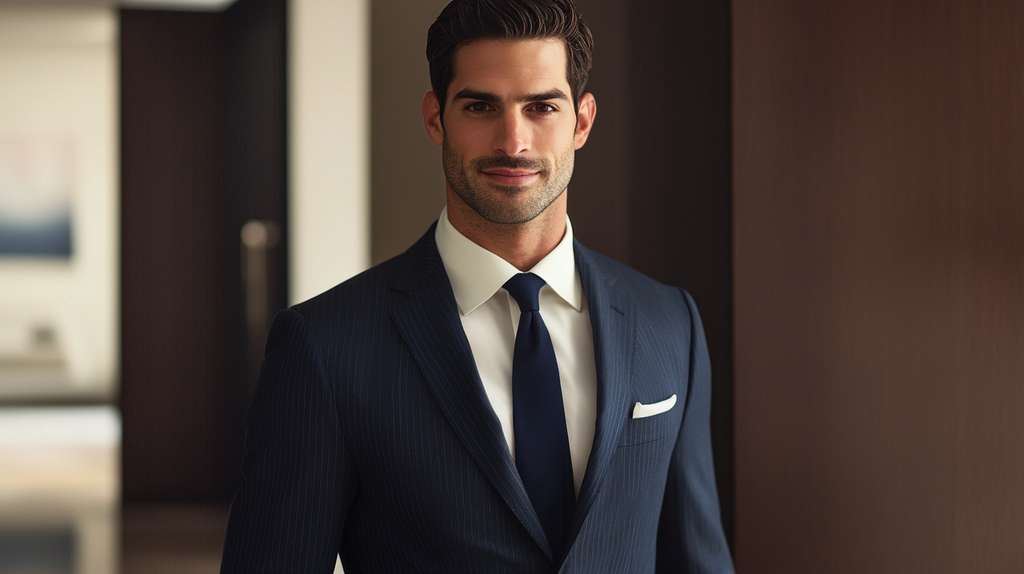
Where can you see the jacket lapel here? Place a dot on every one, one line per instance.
(429, 323)
(614, 326)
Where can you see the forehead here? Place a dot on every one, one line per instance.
(500, 66)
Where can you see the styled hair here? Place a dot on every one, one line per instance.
(465, 21)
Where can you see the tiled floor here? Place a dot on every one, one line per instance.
(173, 539)
(60, 510)
(59, 489)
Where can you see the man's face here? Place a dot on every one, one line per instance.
(510, 130)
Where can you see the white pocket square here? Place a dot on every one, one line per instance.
(641, 410)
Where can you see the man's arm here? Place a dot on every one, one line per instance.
(297, 485)
(690, 536)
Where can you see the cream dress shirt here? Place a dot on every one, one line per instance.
(490, 318)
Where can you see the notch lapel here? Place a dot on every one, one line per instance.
(429, 323)
(613, 321)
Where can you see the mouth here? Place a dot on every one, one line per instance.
(510, 177)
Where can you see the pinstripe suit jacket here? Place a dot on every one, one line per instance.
(370, 435)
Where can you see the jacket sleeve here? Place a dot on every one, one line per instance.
(297, 484)
(690, 535)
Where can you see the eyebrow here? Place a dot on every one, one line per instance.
(471, 94)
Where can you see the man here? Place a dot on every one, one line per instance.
(497, 398)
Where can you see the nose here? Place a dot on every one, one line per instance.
(512, 135)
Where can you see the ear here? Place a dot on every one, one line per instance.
(585, 119)
(432, 118)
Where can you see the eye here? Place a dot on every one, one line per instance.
(478, 107)
(544, 108)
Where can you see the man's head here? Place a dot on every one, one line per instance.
(465, 21)
(508, 115)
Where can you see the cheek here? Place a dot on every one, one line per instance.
(465, 144)
(565, 141)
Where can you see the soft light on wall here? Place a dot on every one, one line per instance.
(58, 203)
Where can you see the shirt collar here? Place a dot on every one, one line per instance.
(476, 274)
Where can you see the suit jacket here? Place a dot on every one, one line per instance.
(370, 434)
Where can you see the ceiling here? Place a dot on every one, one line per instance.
(197, 5)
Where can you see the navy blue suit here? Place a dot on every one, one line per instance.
(370, 435)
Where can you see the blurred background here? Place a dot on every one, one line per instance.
(839, 185)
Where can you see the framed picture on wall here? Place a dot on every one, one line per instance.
(36, 194)
(59, 200)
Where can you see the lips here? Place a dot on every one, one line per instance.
(510, 177)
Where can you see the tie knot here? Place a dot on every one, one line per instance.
(525, 288)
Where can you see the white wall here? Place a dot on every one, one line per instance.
(328, 143)
(58, 86)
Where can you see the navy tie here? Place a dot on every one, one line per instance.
(538, 416)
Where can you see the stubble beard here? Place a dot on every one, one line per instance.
(502, 203)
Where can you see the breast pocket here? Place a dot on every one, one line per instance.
(653, 420)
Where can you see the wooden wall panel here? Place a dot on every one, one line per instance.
(879, 264)
(204, 134)
(176, 254)
(407, 182)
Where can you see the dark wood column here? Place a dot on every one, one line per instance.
(879, 220)
(203, 137)
(176, 255)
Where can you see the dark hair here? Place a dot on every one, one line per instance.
(464, 21)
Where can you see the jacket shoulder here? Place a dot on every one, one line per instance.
(643, 290)
(373, 293)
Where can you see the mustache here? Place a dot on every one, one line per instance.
(507, 162)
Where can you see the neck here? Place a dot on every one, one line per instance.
(521, 244)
